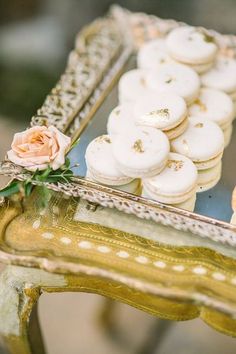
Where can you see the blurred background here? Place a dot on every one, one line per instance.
(35, 38)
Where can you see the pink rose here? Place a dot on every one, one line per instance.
(39, 147)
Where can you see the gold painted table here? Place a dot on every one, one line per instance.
(154, 273)
(152, 257)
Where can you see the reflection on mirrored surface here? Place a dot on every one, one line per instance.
(215, 203)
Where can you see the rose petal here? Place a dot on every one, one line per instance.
(38, 147)
(37, 162)
(64, 143)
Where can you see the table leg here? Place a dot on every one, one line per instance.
(152, 342)
(35, 335)
(155, 337)
(20, 289)
(108, 321)
(17, 299)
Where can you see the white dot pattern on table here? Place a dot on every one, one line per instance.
(199, 270)
(218, 276)
(36, 224)
(65, 240)
(55, 209)
(178, 268)
(47, 235)
(85, 244)
(122, 254)
(104, 249)
(141, 259)
(159, 264)
(233, 281)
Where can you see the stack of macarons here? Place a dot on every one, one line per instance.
(217, 106)
(122, 160)
(175, 184)
(121, 119)
(192, 46)
(153, 55)
(223, 77)
(141, 153)
(203, 143)
(102, 167)
(165, 60)
(125, 160)
(175, 78)
(172, 123)
(132, 85)
(165, 111)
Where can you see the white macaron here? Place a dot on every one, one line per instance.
(191, 45)
(214, 105)
(222, 75)
(121, 119)
(188, 204)
(165, 111)
(133, 187)
(101, 163)
(153, 54)
(175, 78)
(142, 152)
(227, 131)
(233, 219)
(176, 183)
(208, 178)
(201, 68)
(233, 97)
(202, 142)
(132, 85)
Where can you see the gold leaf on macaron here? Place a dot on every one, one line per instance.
(176, 165)
(138, 146)
(198, 125)
(201, 105)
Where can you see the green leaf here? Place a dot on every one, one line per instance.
(44, 197)
(67, 162)
(28, 188)
(56, 172)
(12, 188)
(58, 178)
(68, 173)
(52, 179)
(35, 173)
(45, 173)
(42, 175)
(61, 173)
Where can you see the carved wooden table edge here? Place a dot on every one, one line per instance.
(160, 295)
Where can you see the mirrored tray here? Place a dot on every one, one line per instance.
(80, 103)
(214, 203)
